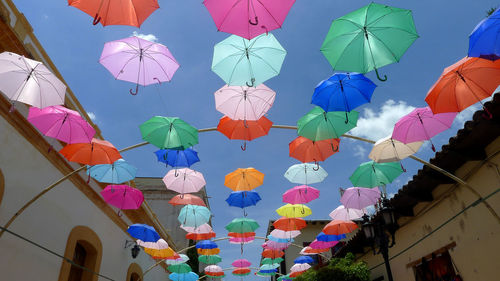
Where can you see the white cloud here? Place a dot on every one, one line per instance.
(149, 37)
(92, 116)
(359, 151)
(376, 125)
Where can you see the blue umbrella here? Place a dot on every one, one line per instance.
(206, 244)
(143, 232)
(279, 240)
(177, 157)
(118, 172)
(329, 238)
(243, 199)
(190, 276)
(303, 259)
(484, 41)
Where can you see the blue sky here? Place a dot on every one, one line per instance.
(186, 28)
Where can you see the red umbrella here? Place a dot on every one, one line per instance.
(289, 224)
(94, 153)
(244, 129)
(200, 236)
(241, 235)
(306, 150)
(338, 227)
(272, 254)
(187, 199)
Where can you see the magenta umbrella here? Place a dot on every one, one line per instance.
(61, 123)
(184, 180)
(360, 197)
(421, 124)
(248, 18)
(123, 196)
(300, 194)
(322, 245)
(139, 61)
(241, 240)
(241, 263)
(243, 102)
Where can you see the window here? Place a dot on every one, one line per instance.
(438, 268)
(134, 272)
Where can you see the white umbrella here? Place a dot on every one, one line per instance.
(158, 245)
(298, 267)
(346, 214)
(391, 150)
(243, 102)
(202, 229)
(278, 233)
(305, 173)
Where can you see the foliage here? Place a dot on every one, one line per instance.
(339, 269)
(490, 12)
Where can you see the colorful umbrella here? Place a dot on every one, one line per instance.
(318, 245)
(179, 268)
(270, 244)
(285, 278)
(310, 251)
(169, 132)
(240, 62)
(306, 150)
(271, 261)
(484, 40)
(186, 199)
(269, 266)
(118, 172)
(206, 244)
(294, 211)
(177, 157)
(244, 130)
(29, 81)
(200, 236)
(372, 174)
(296, 274)
(167, 253)
(213, 269)
(305, 173)
(158, 245)
(360, 197)
(391, 150)
(321, 125)
(242, 225)
(243, 199)
(241, 240)
(94, 153)
(204, 228)
(369, 38)
(181, 259)
(300, 194)
(241, 271)
(300, 267)
(193, 215)
(241, 263)
(287, 224)
(272, 254)
(244, 179)
(213, 259)
(243, 102)
(279, 240)
(338, 227)
(184, 180)
(346, 214)
(303, 259)
(123, 197)
(190, 276)
(278, 233)
(208, 252)
(329, 238)
(241, 235)
(143, 232)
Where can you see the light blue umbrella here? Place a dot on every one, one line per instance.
(190, 276)
(118, 172)
(193, 215)
(269, 266)
(305, 173)
(280, 240)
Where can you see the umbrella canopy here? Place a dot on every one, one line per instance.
(167, 253)
(193, 215)
(369, 38)
(278, 233)
(241, 240)
(242, 225)
(285, 278)
(242, 199)
(213, 268)
(200, 236)
(243, 129)
(270, 244)
(463, 84)
(179, 268)
(177, 157)
(271, 261)
(306, 150)
(329, 238)
(190, 276)
(186, 199)
(158, 245)
(391, 150)
(206, 244)
(204, 228)
(94, 153)
(240, 62)
(61, 123)
(143, 232)
(343, 92)
(317, 245)
(118, 172)
(138, 61)
(213, 259)
(372, 174)
(300, 267)
(360, 197)
(269, 266)
(169, 132)
(338, 227)
(241, 235)
(279, 240)
(243, 102)
(29, 81)
(294, 211)
(272, 254)
(241, 263)
(208, 252)
(303, 259)
(484, 40)
(184, 180)
(310, 251)
(346, 214)
(295, 274)
(244, 179)
(305, 173)
(321, 125)
(123, 197)
(287, 224)
(300, 194)
(181, 259)
(241, 271)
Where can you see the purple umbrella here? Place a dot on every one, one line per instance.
(273, 245)
(360, 197)
(139, 61)
(322, 245)
(300, 194)
(421, 124)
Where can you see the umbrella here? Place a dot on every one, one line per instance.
(167, 253)
(243, 102)
(213, 269)
(285, 278)
(303, 259)
(296, 274)
(240, 62)
(241, 235)
(241, 240)
(279, 240)
(269, 266)
(29, 81)
(243, 199)
(271, 261)
(190, 276)
(421, 124)
(305, 173)
(177, 158)
(213, 259)
(94, 153)
(123, 197)
(321, 125)
(244, 179)
(208, 252)
(310, 251)
(343, 92)
(272, 254)
(241, 263)
(181, 259)
(300, 267)
(169, 132)
(158, 245)
(61, 123)
(241, 271)
(294, 211)
(270, 244)
(179, 268)
(186, 199)
(391, 150)
(184, 180)
(372, 174)
(194, 215)
(306, 150)
(463, 84)
(278, 233)
(115, 12)
(200, 236)
(206, 244)
(329, 238)
(300, 194)
(138, 61)
(243, 129)
(118, 172)
(288, 224)
(346, 214)
(204, 228)
(322, 245)
(338, 227)
(360, 197)
(242, 225)
(484, 40)
(143, 232)
(369, 38)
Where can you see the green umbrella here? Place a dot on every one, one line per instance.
(369, 38)
(271, 261)
(320, 125)
(179, 268)
(213, 259)
(285, 277)
(240, 62)
(372, 174)
(242, 225)
(169, 132)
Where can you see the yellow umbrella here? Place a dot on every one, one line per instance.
(294, 211)
(160, 253)
(209, 252)
(244, 179)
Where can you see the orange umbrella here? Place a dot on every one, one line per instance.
(241, 235)
(94, 153)
(244, 179)
(200, 236)
(272, 254)
(306, 150)
(289, 224)
(309, 250)
(463, 84)
(243, 270)
(117, 12)
(338, 227)
(296, 274)
(209, 252)
(187, 199)
(160, 253)
(244, 129)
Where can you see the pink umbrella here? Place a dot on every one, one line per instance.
(421, 124)
(300, 194)
(299, 267)
(273, 245)
(61, 123)
(213, 268)
(241, 263)
(344, 214)
(123, 196)
(248, 18)
(322, 245)
(139, 61)
(278, 233)
(204, 228)
(244, 103)
(360, 197)
(241, 240)
(184, 180)
(158, 245)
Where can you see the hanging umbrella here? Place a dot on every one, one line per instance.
(193, 215)
(285, 278)
(204, 228)
(177, 157)
(241, 263)
(278, 233)
(269, 266)
(275, 245)
(213, 259)
(244, 179)
(271, 261)
(279, 240)
(294, 211)
(338, 227)
(421, 125)
(206, 244)
(300, 194)
(360, 197)
(391, 150)
(303, 259)
(321, 125)
(329, 238)
(158, 245)
(161, 253)
(243, 129)
(343, 92)
(94, 153)
(208, 252)
(300, 267)
(179, 268)
(241, 240)
(181, 259)
(169, 132)
(123, 197)
(213, 269)
(241, 235)
(29, 81)
(118, 172)
(296, 274)
(138, 61)
(369, 38)
(346, 214)
(240, 62)
(484, 40)
(241, 271)
(242, 225)
(186, 199)
(243, 102)
(310, 251)
(272, 254)
(322, 245)
(463, 84)
(200, 236)
(143, 232)
(287, 224)
(184, 180)
(306, 150)
(372, 174)
(305, 173)
(190, 276)
(243, 199)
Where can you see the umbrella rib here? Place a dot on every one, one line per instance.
(161, 66)
(347, 46)
(385, 45)
(228, 12)
(53, 86)
(259, 57)
(234, 69)
(265, 8)
(125, 65)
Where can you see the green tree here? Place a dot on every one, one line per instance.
(339, 269)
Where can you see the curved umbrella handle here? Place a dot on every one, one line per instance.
(12, 108)
(346, 118)
(380, 78)
(245, 123)
(317, 166)
(245, 214)
(159, 82)
(404, 170)
(175, 173)
(136, 90)
(244, 146)
(334, 149)
(97, 19)
(253, 83)
(120, 214)
(254, 23)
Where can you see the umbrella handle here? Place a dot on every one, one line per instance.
(245, 214)
(175, 173)
(254, 23)
(136, 90)
(488, 114)
(253, 83)
(244, 146)
(12, 108)
(159, 82)
(347, 117)
(317, 167)
(334, 149)
(380, 78)
(404, 170)
(120, 214)
(97, 19)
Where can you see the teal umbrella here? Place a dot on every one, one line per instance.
(271, 261)
(194, 215)
(321, 125)
(305, 173)
(369, 38)
(179, 268)
(372, 174)
(240, 62)
(169, 132)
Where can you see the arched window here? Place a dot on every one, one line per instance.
(2, 185)
(134, 272)
(84, 248)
